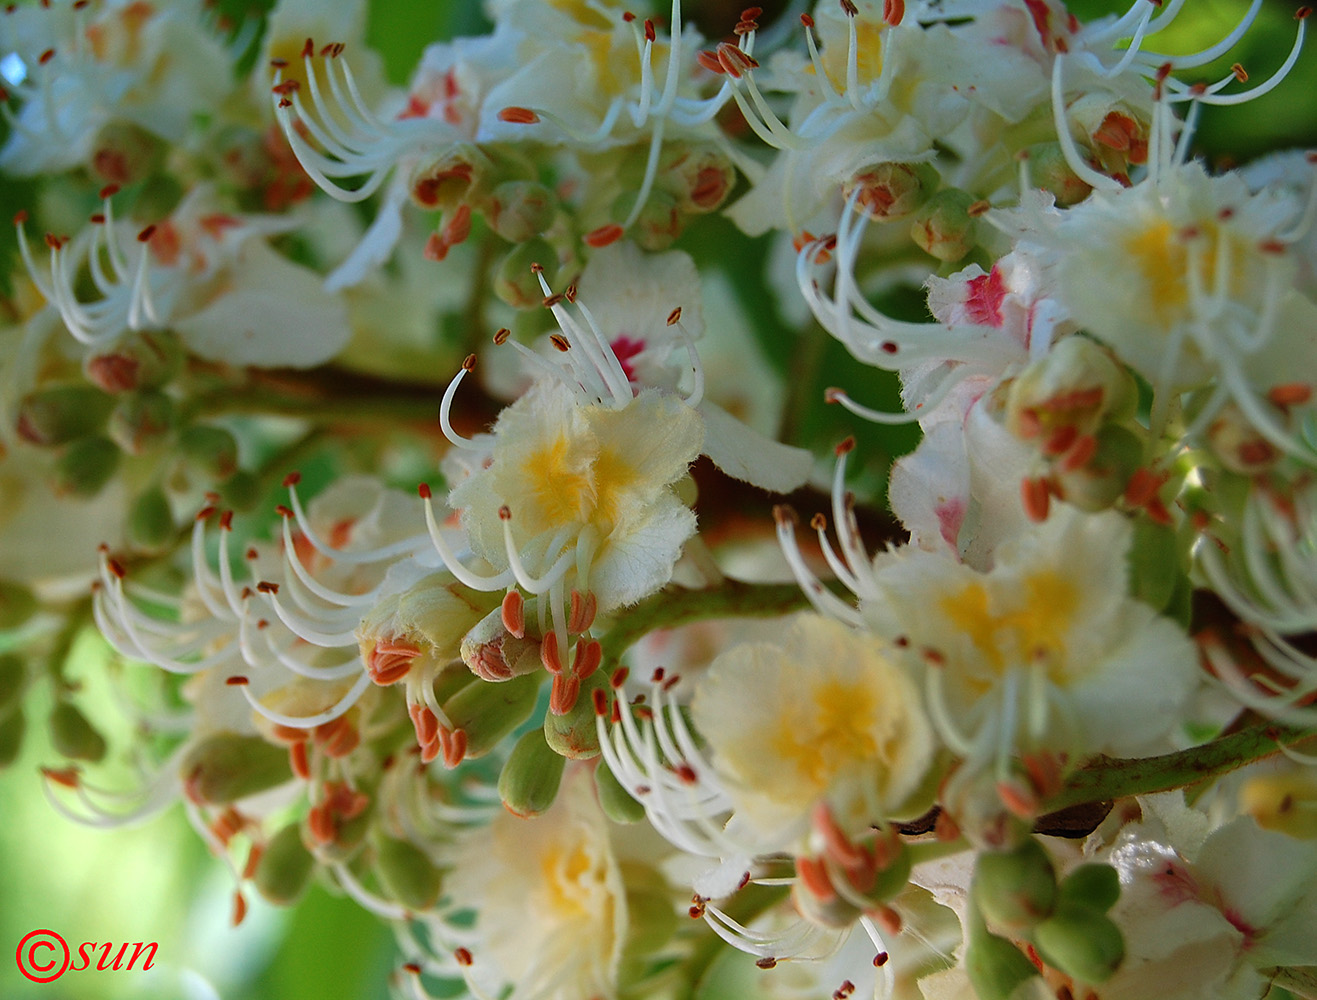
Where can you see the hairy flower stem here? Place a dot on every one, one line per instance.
(1106, 778)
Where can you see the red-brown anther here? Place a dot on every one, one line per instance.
(880, 959)
(226, 824)
(806, 20)
(463, 957)
(489, 664)
(657, 676)
(672, 682)
(849, 9)
(979, 208)
(501, 336)
(549, 302)
(320, 823)
(237, 681)
(600, 700)
(619, 677)
(564, 691)
(254, 855)
(586, 659)
(116, 567)
(53, 241)
(734, 60)
(66, 776)
(570, 294)
(283, 510)
(145, 235)
(20, 217)
(1081, 454)
(1036, 498)
(628, 17)
(226, 521)
(505, 513)
(785, 515)
(766, 963)
(818, 522)
(425, 723)
(46, 56)
(649, 30)
(278, 64)
(452, 746)
(844, 447)
(424, 490)
(709, 61)
(1060, 440)
(1302, 13)
(1018, 801)
(266, 587)
(239, 908)
(338, 738)
(751, 13)
(1143, 487)
(327, 50)
(604, 235)
(615, 718)
(557, 339)
(536, 268)
(1290, 394)
(893, 11)
(413, 968)
(582, 614)
(513, 613)
(549, 654)
(685, 773)
(518, 116)
(286, 87)
(299, 761)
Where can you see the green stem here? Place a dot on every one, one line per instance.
(676, 606)
(1107, 778)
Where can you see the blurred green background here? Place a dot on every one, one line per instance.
(156, 882)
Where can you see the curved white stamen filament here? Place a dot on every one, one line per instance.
(339, 708)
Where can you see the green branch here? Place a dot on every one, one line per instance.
(1106, 778)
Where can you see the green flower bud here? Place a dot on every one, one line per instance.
(1015, 889)
(659, 223)
(407, 873)
(574, 735)
(1155, 563)
(494, 654)
(150, 520)
(73, 736)
(1096, 886)
(61, 414)
(1049, 171)
(1076, 388)
(996, 968)
(1102, 480)
(146, 361)
(13, 675)
(944, 227)
(699, 177)
(618, 804)
(529, 781)
(1080, 941)
(521, 210)
(515, 283)
(349, 836)
(889, 191)
(17, 604)
(85, 467)
(209, 451)
(284, 869)
(141, 420)
(488, 712)
(12, 728)
(225, 767)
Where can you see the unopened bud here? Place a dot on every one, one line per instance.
(1102, 479)
(12, 728)
(225, 767)
(1049, 170)
(1284, 802)
(1096, 886)
(284, 870)
(996, 968)
(147, 360)
(1236, 441)
(450, 179)
(17, 604)
(659, 223)
(1015, 889)
(529, 781)
(699, 177)
(150, 520)
(85, 467)
(521, 210)
(1156, 563)
(1080, 941)
(618, 804)
(1076, 386)
(943, 226)
(141, 420)
(888, 191)
(573, 734)
(407, 873)
(488, 712)
(493, 654)
(210, 451)
(61, 414)
(515, 284)
(73, 736)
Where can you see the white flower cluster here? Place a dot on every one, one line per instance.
(601, 684)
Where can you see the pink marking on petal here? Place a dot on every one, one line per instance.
(986, 293)
(950, 516)
(625, 348)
